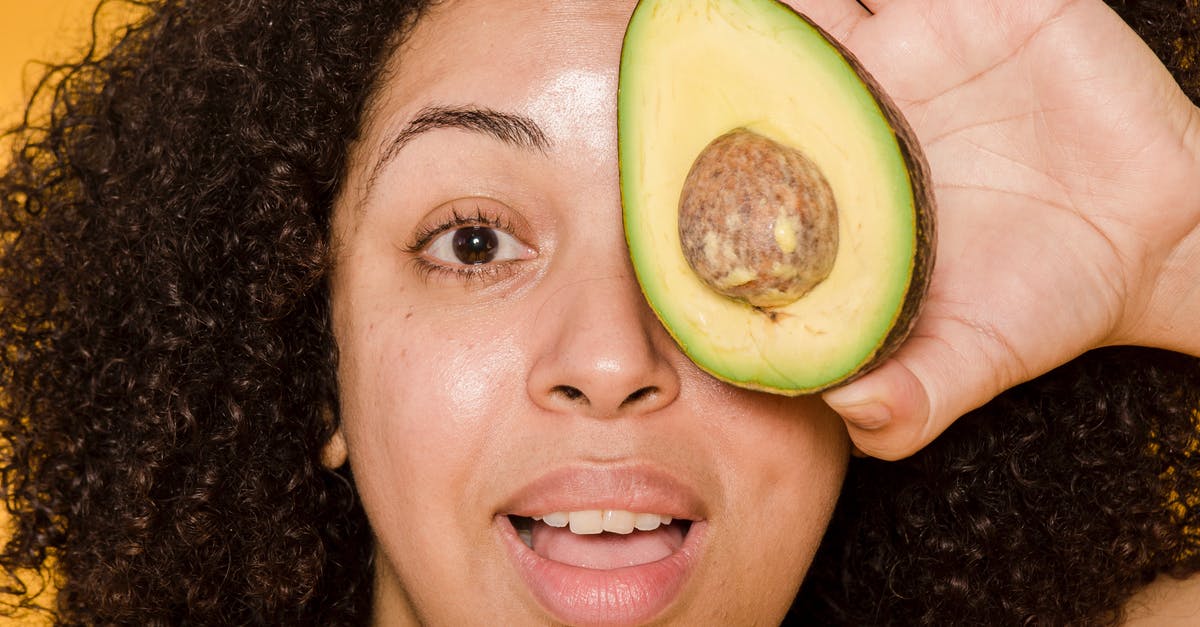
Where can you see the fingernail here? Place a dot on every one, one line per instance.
(866, 414)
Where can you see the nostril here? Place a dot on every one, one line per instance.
(570, 393)
(574, 395)
(646, 392)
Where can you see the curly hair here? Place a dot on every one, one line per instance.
(168, 365)
(1051, 505)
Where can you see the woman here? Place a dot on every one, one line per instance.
(322, 315)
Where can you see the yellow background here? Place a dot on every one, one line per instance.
(41, 30)
(36, 30)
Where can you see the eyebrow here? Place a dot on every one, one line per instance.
(510, 128)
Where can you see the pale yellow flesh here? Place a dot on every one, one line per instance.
(692, 71)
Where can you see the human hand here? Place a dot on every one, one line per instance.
(1063, 157)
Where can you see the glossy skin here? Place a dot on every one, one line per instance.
(460, 391)
(1052, 133)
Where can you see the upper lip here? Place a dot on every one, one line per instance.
(636, 488)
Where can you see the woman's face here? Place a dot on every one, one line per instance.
(498, 364)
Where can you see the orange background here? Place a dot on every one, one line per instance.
(38, 30)
(41, 30)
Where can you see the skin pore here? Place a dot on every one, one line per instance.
(540, 381)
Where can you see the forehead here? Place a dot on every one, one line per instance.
(553, 61)
(504, 48)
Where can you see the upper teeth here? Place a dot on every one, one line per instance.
(592, 521)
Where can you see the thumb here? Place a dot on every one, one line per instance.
(898, 408)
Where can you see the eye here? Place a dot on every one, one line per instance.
(476, 244)
(470, 240)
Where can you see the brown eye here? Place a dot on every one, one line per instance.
(477, 245)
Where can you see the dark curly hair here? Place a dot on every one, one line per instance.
(168, 366)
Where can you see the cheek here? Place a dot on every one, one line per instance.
(804, 455)
(804, 450)
(810, 476)
(419, 398)
(784, 476)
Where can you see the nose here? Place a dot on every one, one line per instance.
(603, 352)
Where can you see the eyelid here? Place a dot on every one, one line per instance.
(473, 211)
(467, 212)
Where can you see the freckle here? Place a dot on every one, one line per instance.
(408, 315)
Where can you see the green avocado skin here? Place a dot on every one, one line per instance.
(773, 361)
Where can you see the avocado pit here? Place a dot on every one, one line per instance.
(757, 220)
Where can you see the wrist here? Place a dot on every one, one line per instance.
(1163, 310)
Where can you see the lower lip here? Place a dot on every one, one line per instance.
(634, 594)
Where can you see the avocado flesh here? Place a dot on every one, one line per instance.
(691, 72)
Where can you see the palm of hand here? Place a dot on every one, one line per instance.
(1052, 134)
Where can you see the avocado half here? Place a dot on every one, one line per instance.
(695, 72)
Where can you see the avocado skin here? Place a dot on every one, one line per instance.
(924, 235)
(924, 208)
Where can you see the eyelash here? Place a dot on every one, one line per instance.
(467, 273)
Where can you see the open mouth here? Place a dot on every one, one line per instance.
(602, 539)
(605, 545)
